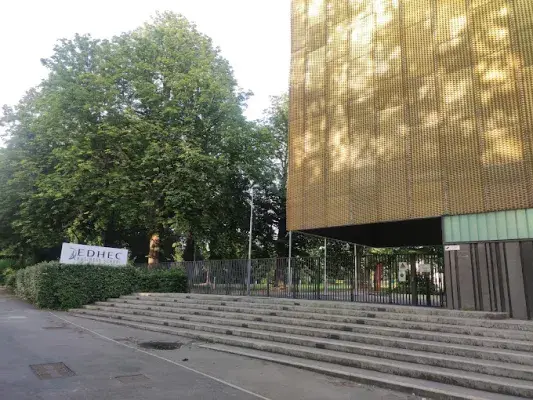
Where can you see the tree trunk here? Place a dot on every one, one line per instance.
(153, 255)
(190, 252)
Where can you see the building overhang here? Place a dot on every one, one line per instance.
(416, 232)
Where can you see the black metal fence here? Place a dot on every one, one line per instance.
(406, 279)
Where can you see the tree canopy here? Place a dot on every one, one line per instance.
(139, 134)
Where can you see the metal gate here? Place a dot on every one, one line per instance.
(405, 279)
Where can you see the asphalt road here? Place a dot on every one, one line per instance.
(107, 362)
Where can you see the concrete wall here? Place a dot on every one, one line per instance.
(491, 276)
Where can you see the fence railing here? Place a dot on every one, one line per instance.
(407, 279)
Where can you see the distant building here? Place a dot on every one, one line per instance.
(410, 124)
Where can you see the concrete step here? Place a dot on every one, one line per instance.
(418, 387)
(333, 328)
(509, 370)
(437, 319)
(472, 380)
(334, 304)
(484, 353)
(369, 320)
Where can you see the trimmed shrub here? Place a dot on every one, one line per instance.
(162, 281)
(58, 286)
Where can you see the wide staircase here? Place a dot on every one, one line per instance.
(434, 353)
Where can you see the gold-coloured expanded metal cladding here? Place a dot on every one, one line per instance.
(403, 109)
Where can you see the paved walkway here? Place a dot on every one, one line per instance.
(108, 363)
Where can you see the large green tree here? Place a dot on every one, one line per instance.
(143, 133)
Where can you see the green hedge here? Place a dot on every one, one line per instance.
(60, 287)
(7, 265)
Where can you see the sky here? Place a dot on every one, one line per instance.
(253, 35)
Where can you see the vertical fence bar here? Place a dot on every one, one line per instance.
(325, 267)
(429, 279)
(268, 278)
(290, 259)
(389, 273)
(414, 277)
(354, 285)
(228, 277)
(294, 277)
(362, 278)
(379, 277)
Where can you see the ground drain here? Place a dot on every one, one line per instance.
(52, 371)
(160, 345)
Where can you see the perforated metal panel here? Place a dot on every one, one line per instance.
(404, 109)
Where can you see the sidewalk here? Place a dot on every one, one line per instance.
(110, 364)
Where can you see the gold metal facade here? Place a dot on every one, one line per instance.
(403, 109)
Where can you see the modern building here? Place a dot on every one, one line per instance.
(411, 124)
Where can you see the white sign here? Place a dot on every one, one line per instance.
(452, 247)
(82, 254)
(424, 268)
(403, 266)
(402, 274)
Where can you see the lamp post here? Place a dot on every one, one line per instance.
(250, 241)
